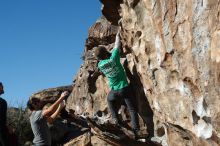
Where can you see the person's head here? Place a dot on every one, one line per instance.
(1, 88)
(101, 53)
(33, 104)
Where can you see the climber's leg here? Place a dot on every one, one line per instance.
(112, 99)
(129, 100)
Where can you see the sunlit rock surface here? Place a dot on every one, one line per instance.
(172, 54)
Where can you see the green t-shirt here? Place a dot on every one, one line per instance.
(114, 71)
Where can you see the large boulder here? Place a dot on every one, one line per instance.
(170, 51)
(171, 56)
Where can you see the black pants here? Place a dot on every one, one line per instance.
(125, 94)
(3, 117)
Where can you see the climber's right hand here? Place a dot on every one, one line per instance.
(64, 94)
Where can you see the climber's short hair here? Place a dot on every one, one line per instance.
(31, 103)
(100, 52)
(1, 84)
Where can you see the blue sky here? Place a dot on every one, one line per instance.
(41, 42)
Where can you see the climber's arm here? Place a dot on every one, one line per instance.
(117, 40)
(54, 106)
(51, 118)
(117, 47)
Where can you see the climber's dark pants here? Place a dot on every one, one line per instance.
(127, 95)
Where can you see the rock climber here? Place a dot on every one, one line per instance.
(110, 66)
(39, 118)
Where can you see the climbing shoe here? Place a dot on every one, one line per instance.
(138, 135)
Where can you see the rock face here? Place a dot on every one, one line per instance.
(172, 59)
(171, 54)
